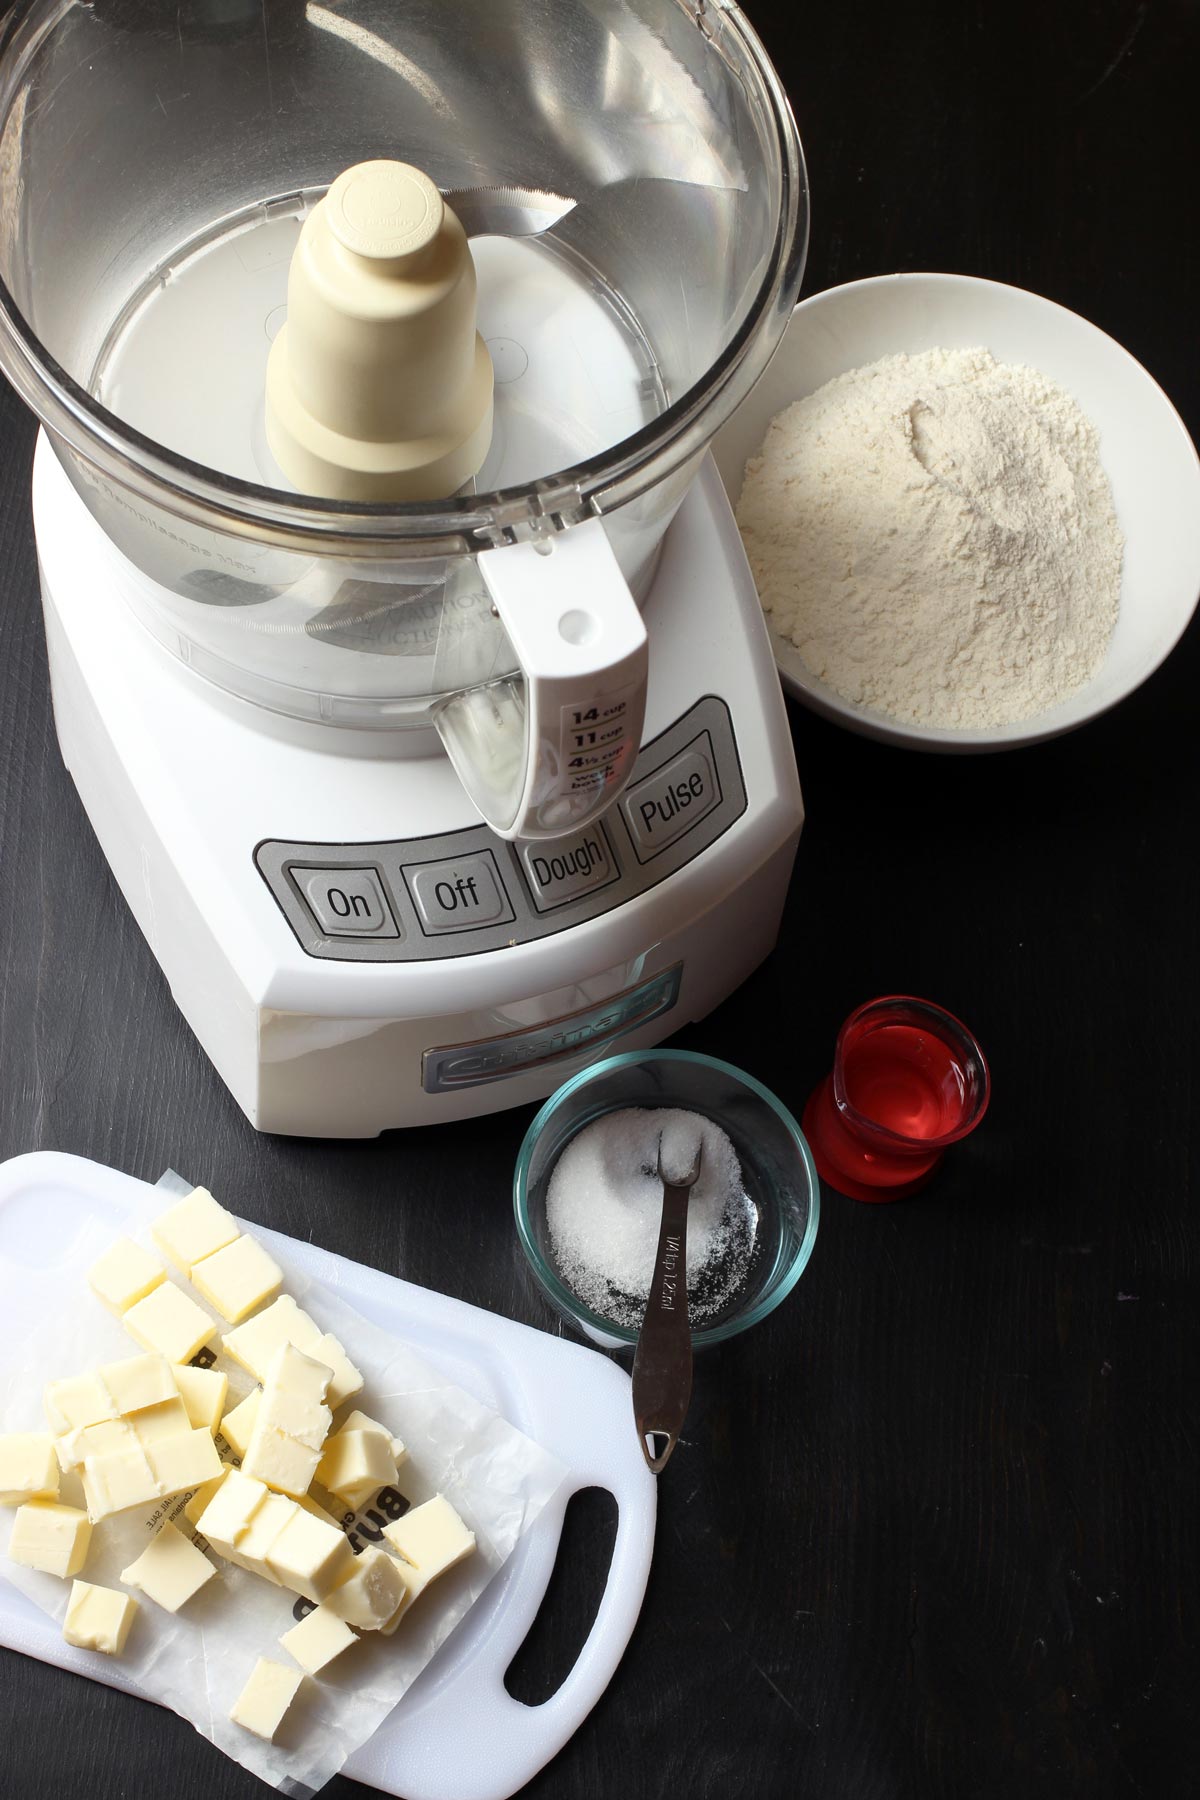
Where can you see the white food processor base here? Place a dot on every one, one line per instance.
(353, 948)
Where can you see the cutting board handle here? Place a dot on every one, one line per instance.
(509, 1741)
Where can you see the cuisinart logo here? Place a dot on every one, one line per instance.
(468, 1065)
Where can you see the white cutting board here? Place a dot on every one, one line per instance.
(457, 1734)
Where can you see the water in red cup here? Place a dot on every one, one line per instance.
(908, 1080)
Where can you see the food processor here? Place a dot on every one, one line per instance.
(422, 800)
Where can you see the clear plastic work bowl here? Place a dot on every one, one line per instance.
(639, 202)
(777, 1165)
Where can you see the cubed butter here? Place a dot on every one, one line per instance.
(309, 1556)
(355, 1465)
(316, 1640)
(293, 1399)
(77, 1401)
(203, 1392)
(358, 1421)
(183, 1462)
(169, 1321)
(124, 1274)
(373, 1591)
(268, 1519)
(430, 1538)
(389, 1629)
(255, 1343)
(170, 1570)
(117, 1479)
(194, 1228)
(98, 1618)
(74, 1447)
(227, 1516)
(237, 1427)
(168, 1419)
(346, 1379)
(138, 1381)
(282, 1462)
(50, 1536)
(238, 1278)
(317, 1510)
(28, 1467)
(264, 1700)
(203, 1494)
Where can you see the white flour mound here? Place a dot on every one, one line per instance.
(935, 534)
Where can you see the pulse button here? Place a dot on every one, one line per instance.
(685, 790)
(459, 894)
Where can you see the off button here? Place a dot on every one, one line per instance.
(668, 803)
(461, 894)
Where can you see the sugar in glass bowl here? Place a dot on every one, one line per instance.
(777, 1167)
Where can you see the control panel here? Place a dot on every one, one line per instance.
(465, 892)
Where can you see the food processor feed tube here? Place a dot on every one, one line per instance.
(379, 389)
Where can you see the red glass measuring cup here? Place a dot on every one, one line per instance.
(908, 1080)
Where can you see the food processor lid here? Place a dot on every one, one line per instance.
(465, 523)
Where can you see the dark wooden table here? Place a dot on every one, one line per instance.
(933, 1532)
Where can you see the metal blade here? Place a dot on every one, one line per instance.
(506, 211)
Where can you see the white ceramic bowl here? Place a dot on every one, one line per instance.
(1150, 459)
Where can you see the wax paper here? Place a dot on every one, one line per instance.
(198, 1660)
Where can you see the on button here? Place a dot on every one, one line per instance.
(347, 902)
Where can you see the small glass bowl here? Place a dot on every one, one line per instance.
(777, 1165)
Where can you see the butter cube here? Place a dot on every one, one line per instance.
(74, 1447)
(372, 1593)
(237, 1427)
(170, 1570)
(431, 1538)
(269, 1518)
(293, 1397)
(124, 1274)
(117, 1479)
(28, 1467)
(355, 1465)
(183, 1462)
(265, 1698)
(389, 1629)
(203, 1494)
(168, 1419)
(193, 1229)
(203, 1392)
(317, 1511)
(282, 1462)
(138, 1381)
(238, 1278)
(98, 1618)
(310, 1556)
(316, 1640)
(77, 1401)
(255, 1343)
(47, 1535)
(346, 1379)
(169, 1321)
(227, 1516)
(358, 1421)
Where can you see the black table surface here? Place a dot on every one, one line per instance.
(933, 1529)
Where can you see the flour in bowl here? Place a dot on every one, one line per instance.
(935, 534)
